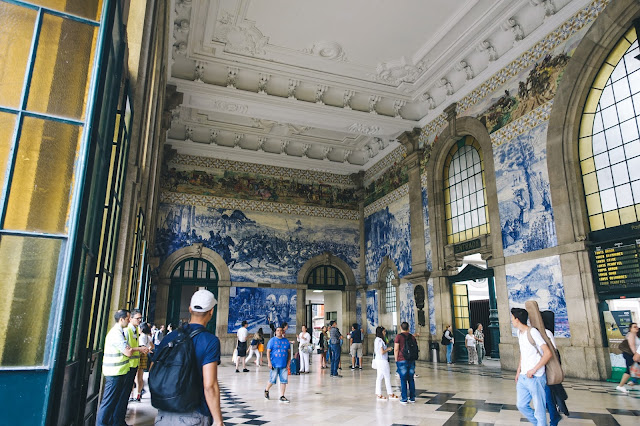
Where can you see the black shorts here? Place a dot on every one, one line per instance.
(242, 348)
(628, 360)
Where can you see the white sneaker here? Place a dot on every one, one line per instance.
(622, 389)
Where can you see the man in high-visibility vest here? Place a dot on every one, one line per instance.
(131, 334)
(115, 367)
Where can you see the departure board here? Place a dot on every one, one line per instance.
(617, 265)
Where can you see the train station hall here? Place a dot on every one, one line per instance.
(299, 212)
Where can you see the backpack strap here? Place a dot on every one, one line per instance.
(197, 331)
(533, 343)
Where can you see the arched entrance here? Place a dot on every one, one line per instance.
(467, 313)
(187, 277)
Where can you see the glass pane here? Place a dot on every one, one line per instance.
(623, 195)
(617, 155)
(629, 130)
(43, 176)
(632, 149)
(614, 138)
(89, 9)
(625, 109)
(7, 125)
(621, 88)
(609, 117)
(28, 269)
(601, 160)
(16, 33)
(606, 99)
(60, 81)
(605, 180)
(608, 199)
(620, 174)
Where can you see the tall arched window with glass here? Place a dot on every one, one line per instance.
(465, 196)
(390, 298)
(608, 145)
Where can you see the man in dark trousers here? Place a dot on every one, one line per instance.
(355, 347)
(406, 368)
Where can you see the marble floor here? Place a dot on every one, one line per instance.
(446, 395)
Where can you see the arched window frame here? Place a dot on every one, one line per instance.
(195, 269)
(608, 139)
(465, 217)
(326, 276)
(391, 304)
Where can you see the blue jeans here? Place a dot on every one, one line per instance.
(123, 402)
(532, 389)
(279, 372)
(335, 358)
(449, 350)
(406, 370)
(554, 417)
(113, 386)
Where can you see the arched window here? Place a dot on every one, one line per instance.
(464, 191)
(325, 276)
(195, 269)
(609, 148)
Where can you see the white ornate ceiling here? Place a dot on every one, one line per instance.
(329, 85)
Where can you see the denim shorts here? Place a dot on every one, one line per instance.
(279, 371)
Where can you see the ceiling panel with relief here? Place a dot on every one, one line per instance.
(331, 84)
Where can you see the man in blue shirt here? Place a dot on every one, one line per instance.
(207, 348)
(355, 337)
(278, 359)
(335, 339)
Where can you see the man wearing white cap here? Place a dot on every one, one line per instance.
(207, 348)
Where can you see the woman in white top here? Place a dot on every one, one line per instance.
(381, 355)
(470, 343)
(305, 339)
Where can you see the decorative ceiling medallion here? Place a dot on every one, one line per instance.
(364, 129)
(327, 50)
(243, 38)
(399, 71)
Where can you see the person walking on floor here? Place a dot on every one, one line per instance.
(241, 346)
(207, 356)
(115, 367)
(381, 356)
(304, 341)
(470, 343)
(335, 338)
(278, 350)
(355, 348)
(132, 335)
(628, 350)
(447, 340)
(479, 336)
(253, 348)
(530, 377)
(406, 367)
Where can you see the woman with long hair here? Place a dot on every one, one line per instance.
(322, 343)
(260, 346)
(627, 352)
(381, 356)
(253, 348)
(304, 340)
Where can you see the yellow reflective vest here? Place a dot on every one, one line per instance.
(115, 363)
(132, 340)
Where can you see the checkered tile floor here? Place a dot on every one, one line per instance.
(237, 412)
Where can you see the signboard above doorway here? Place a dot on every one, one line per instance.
(467, 246)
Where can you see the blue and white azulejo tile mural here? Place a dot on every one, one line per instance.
(388, 233)
(539, 280)
(427, 233)
(431, 297)
(524, 198)
(257, 246)
(261, 308)
(407, 305)
(372, 311)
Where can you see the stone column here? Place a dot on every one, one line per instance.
(419, 274)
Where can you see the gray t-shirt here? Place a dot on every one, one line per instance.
(334, 336)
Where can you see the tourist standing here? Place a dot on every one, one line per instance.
(406, 367)
(530, 377)
(381, 356)
(447, 340)
(470, 343)
(278, 350)
(322, 344)
(355, 348)
(253, 347)
(479, 336)
(628, 351)
(241, 346)
(304, 341)
(335, 338)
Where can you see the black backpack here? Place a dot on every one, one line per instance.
(444, 340)
(410, 349)
(175, 378)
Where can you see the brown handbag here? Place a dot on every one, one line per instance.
(624, 346)
(553, 369)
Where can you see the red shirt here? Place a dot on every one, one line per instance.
(400, 341)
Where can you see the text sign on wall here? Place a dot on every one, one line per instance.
(617, 265)
(466, 246)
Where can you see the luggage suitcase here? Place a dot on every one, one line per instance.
(294, 367)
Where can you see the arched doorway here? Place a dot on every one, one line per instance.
(188, 276)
